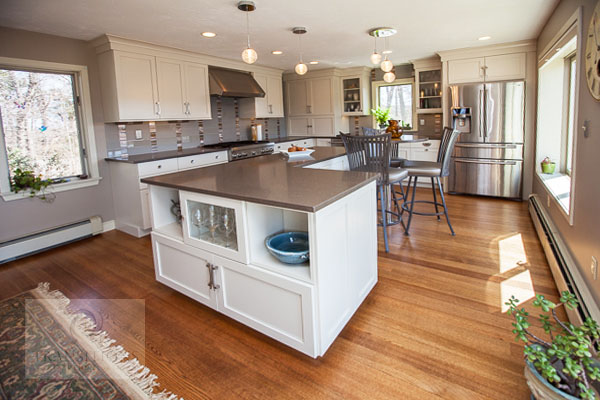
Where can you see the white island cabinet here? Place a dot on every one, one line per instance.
(217, 256)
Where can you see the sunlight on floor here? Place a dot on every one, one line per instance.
(511, 252)
(516, 278)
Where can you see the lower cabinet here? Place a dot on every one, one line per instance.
(272, 304)
(279, 307)
(184, 268)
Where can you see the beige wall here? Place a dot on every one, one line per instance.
(21, 217)
(583, 238)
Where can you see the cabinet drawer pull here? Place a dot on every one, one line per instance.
(426, 144)
(192, 161)
(270, 108)
(159, 166)
(157, 107)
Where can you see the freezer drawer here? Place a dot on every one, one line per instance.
(496, 151)
(487, 177)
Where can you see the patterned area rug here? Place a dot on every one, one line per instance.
(47, 351)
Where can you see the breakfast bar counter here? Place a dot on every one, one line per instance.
(273, 179)
(210, 228)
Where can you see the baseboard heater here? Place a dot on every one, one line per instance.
(564, 270)
(48, 239)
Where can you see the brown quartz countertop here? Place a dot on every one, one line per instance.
(272, 180)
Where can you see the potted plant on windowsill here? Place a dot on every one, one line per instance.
(381, 116)
(548, 166)
(27, 181)
(561, 367)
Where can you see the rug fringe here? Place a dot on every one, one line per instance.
(135, 371)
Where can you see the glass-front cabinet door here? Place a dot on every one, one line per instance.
(215, 224)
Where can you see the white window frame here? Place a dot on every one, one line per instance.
(80, 74)
(375, 85)
(575, 21)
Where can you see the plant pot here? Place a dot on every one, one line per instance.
(548, 168)
(540, 388)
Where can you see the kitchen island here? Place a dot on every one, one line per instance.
(217, 256)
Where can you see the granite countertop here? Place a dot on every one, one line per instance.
(272, 180)
(162, 155)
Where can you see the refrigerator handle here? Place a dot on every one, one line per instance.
(485, 112)
(481, 111)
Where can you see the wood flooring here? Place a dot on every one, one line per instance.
(432, 328)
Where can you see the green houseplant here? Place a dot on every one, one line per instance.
(564, 362)
(27, 181)
(381, 116)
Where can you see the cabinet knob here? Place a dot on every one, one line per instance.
(159, 167)
(192, 161)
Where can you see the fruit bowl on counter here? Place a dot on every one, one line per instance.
(288, 247)
(296, 151)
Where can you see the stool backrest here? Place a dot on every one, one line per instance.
(446, 147)
(370, 131)
(369, 153)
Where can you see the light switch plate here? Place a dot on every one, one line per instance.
(594, 267)
(185, 139)
(422, 122)
(138, 134)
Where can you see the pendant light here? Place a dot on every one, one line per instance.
(300, 68)
(389, 77)
(375, 57)
(249, 55)
(386, 64)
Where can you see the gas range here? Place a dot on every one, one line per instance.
(244, 149)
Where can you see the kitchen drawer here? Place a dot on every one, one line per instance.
(157, 167)
(201, 160)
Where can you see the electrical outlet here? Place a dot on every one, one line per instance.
(185, 139)
(422, 122)
(138, 134)
(594, 267)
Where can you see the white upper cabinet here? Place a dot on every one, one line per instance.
(297, 97)
(492, 68)
(321, 96)
(275, 95)
(133, 88)
(310, 96)
(469, 70)
(170, 79)
(196, 91)
(138, 87)
(270, 106)
(505, 67)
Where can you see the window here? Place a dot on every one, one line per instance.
(572, 70)
(45, 122)
(398, 97)
(557, 117)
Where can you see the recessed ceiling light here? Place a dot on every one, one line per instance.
(485, 38)
(209, 34)
(386, 52)
(277, 52)
(314, 62)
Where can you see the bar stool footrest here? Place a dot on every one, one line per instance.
(405, 207)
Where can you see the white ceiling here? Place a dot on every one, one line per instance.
(337, 30)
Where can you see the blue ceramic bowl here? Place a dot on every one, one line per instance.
(289, 247)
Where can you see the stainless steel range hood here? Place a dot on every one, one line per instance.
(232, 83)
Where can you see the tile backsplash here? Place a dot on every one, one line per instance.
(171, 135)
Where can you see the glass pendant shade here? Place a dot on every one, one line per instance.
(387, 65)
(389, 77)
(249, 56)
(301, 68)
(375, 58)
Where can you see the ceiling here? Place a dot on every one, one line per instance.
(337, 30)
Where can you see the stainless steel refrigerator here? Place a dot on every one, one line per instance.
(488, 156)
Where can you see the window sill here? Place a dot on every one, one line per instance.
(559, 186)
(56, 188)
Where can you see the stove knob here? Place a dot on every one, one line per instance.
(253, 153)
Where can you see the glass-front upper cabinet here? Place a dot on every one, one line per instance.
(215, 224)
(429, 91)
(355, 92)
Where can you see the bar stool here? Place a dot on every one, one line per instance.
(372, 154)
(435, 171)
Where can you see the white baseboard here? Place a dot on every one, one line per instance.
(108, 225)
